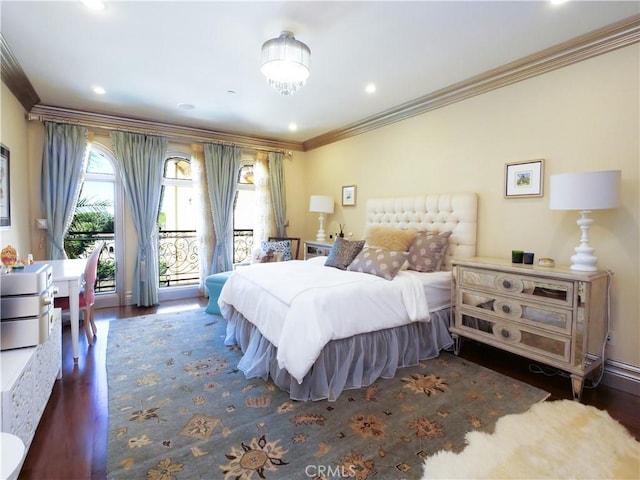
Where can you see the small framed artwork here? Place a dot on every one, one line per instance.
(524, 179)
(5, 194)
(349, 196)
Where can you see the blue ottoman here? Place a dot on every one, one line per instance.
(214, 285)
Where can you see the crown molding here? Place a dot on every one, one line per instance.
(14, 77)
(102, 123)
(603, 40)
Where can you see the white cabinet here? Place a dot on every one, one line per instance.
(556, 316)
(28, 375)
(316, 249)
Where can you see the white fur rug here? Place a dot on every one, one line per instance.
(561, 439)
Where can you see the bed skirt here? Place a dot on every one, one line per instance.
(343, 364)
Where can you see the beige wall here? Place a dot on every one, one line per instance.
(13, 135)
(582, 117)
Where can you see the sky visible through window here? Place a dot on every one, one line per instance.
(98, 186)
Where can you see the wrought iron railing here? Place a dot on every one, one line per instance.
(178, 258)
(242, 246)
(81, 244)
(177, 255)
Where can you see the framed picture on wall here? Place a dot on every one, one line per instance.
(349, 195)
(5, 194)
(524, 179)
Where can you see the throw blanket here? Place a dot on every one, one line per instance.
(561, 439)
(300, 306)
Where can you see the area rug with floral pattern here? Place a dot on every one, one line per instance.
(179, 408)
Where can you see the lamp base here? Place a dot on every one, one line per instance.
(321, 236)
(584, 260)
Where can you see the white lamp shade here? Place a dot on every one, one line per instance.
(585, 190)
(321, 204)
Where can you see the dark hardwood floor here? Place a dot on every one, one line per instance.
(71, 440)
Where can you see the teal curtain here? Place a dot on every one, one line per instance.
(64, 163)
(222, 163)
(141, 161)
(278, 193)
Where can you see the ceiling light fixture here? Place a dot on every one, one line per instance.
(285, 63)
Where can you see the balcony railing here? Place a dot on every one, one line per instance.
(81, 244)
(178, 258)
(177, 255)
(242, 246)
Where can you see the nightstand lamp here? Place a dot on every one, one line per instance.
(321, 204)
(585, 191)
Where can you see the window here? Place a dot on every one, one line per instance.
(94, 218)
(243, 215)
(177, 248)
(245, 200)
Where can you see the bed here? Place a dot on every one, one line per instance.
(317, 331)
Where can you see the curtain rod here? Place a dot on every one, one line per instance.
(107, 123)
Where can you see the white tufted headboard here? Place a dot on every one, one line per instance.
(455, 212)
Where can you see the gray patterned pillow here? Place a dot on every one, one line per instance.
(379, 261)
(427, 251)
(343, 252)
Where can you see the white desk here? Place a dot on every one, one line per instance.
(68, 276)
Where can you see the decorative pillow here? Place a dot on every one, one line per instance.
(257, 255)
(343, 252)
(378, 261)
(272, 256)
(283, 246)
(390, 238)
(427, 251)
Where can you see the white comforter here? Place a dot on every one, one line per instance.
(299, 306)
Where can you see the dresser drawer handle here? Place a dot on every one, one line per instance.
(509, 309)
(507, 283)
(507, 333)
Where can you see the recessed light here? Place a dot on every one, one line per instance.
(94, 4)
(370, 88)
(98, 90)
(293, 127)
(186, 106)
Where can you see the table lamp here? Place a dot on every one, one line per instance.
(585, 191)
(321, 204)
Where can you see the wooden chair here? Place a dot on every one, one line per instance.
(87, 294)
(295, 244)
